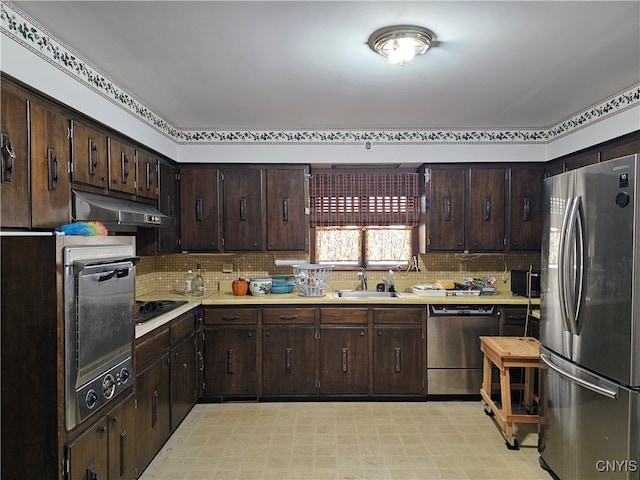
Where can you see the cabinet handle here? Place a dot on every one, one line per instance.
(285, 209)
(201, 360)
(123, 449)
(93, 157)
(379, 333)
(398, 355)
(526, 208)
(267, 333)
(8, 157)
(230, 361)
(243, 209)
(149, 179)
(198, 209)
(91, 472)
(154, 409)
(125, 167)
(487, 209)
(287, 360)
(344, 360)
(185, 370)
(288, 317)
(447, 209)
(52, 161)
(250, 334)
(229, 318)
(170, 205)
(362, 333)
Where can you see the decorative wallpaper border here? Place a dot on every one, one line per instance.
(20, 28)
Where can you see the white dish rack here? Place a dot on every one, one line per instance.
(312, 279)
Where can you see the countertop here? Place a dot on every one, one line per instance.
(226, 298)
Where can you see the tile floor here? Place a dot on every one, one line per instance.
(344, 440)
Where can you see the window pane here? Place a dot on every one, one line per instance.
(340, 246)
(390, 246)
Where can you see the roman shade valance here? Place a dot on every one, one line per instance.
(364, 199)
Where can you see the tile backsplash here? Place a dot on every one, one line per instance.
(167, 272)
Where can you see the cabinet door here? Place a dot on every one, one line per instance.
(152, 415)
(183, 380)
(288, 360)
(14, 146)
(88, 454)
(525, 209)
(620, 151)
(122, 167)
(287, 225)
(50, 163)
(89, 156)
(122, 441)
(344, 365)
(230, 358)
(242, 209)
(168, 204)
(486, 209)
(147, 176)
(199, 209)
(398, 363)
(446, 214)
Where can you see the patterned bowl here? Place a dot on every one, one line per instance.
(260, 286)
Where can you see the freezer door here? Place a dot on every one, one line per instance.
(602, 340)
(554, 329)
(588, 425)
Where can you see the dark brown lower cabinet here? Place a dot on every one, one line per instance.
(106, 450)
(288, 360)
(152, 419)
(399, 351)
(230, 361)
(344, 365)
(183, 379)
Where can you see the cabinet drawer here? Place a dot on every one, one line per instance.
(288, 316)
(182, 327)
(227, 316)
(343, 315)
(151, 346)
(398, 315)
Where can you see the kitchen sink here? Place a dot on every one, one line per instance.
(351, 294)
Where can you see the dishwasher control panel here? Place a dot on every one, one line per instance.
(475, 310)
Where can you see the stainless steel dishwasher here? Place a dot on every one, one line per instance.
(454, 359)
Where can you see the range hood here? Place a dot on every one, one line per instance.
(117, 214)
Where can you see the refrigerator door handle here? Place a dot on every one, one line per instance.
(563, 265)
(573, 263)
(609, 393)
(581, 262)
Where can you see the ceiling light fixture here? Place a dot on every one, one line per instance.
(400, 43)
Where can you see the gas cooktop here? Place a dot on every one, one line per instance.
(146, 311)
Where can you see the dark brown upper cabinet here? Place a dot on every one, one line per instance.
(286, 209)
(486, 209)
(200, 208)
(242, 209)
(90, 161)
(446, 209)
(169, 205)
(147, 176)
(122, 166)
(525, 208)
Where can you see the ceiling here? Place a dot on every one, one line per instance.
(271, 65)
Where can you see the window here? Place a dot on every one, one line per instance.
(364, 219)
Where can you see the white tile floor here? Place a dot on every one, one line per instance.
(344, 440)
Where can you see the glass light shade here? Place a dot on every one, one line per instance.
(400, 44)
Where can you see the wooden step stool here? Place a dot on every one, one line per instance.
(507, 352)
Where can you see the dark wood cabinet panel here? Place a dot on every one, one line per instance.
(14, 171)
(89, 156)
(288, 360)
(230, 361)
(88, 454)
(183, 378)
(487, 209)
(397, 360)
(153, 413)
(525, 209)
(50, 165)
(287, 224)
(122, 441)
(344, 360)
(620, 150)
(200, 209)
(446, 214)
(147, 175)
(122, 166)
(242, 210)
(169, 205)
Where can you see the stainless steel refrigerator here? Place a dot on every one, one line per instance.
(590, 323)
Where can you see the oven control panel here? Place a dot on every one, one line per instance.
(96, 393)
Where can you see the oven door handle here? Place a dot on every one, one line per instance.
(118, 272)
(80, 265)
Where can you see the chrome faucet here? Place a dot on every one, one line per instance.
(363, 280)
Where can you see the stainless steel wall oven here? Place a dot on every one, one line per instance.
(99, 300)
